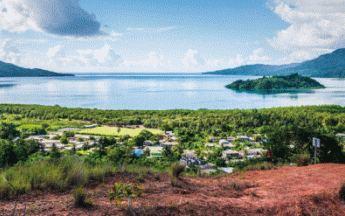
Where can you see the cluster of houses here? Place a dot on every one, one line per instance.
(47, 141)
(230, 149)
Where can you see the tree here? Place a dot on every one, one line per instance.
(8, 131)
(120, 191)
(55, 153)
(64, 140)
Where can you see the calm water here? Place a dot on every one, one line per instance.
(156, 92)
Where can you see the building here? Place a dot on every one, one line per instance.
(229, 146)
(189, 153)
(147, 142)
(243, 138)
(169, 133)
(213, 138)
(231, 153)
(155, 151)
(223, 141)
(90, 126)
(170, 144)
(230, 139)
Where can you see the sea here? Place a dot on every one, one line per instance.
(158, 91)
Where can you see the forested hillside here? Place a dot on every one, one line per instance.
(329, 66)
(11, 70)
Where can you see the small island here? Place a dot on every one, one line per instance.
(290, 82)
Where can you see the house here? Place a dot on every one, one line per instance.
(155, 151)
(213, 138)
(229, 146)
(211, 145)
(147, 142)
(341, 136)
(243, 138)
(68, 129)
(187, 161)
(189, 153)
(226, 169)
(230, 139)
(90, 126)
(170, 144)
(223, 141)
(231, 153)
(169, 133)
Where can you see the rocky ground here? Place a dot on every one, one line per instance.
(311, 190)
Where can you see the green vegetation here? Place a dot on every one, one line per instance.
(113, 131)
(330, 65)
(79, 196)
(293, 81)
(25, 165)
(10, 70)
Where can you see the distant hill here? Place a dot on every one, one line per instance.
(328, 65)
(11, 70)
(292, 81)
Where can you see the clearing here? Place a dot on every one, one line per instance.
(113, 131)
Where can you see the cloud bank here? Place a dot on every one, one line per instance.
(57, 17)
(314, 24)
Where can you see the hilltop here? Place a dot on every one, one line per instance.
(311, 190)
(329, 66)
(293, 81)
(11, 70)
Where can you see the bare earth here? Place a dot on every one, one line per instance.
(311, 190)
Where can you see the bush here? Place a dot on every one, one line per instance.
(64, 141)
(80, 195)
(301, 159)
(56, 137)
(177, 169)
(342, 191)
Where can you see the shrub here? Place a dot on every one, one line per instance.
(174, 182)
(342, 191)
(64, 140)
(177, 169)
(301, 159)
(120, 191)
(80, 195)
(56, 137)
(157, 176)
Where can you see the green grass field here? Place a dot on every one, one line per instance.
(112, 131)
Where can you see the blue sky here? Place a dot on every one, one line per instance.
(166, 36)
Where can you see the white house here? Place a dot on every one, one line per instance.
(230, 153)
(223, 141)
(243, 138)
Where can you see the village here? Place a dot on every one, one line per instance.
(234, 149)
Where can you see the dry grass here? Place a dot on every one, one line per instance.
(312, 190)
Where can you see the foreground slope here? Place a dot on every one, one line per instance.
(11, 70)
(310, 190)
(328, 65)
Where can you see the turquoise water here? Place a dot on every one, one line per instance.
(157, 92)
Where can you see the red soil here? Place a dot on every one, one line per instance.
(311, 190)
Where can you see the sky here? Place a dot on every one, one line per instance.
(167, 35)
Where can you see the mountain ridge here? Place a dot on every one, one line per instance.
(11, 70)
(331, 65)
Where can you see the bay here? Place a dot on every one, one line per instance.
(143, 91)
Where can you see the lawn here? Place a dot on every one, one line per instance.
(113, 131)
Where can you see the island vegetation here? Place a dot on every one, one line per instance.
(292, 81)
(47, 148)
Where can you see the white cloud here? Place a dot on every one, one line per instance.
(214, 62)
(153, 61)
(56, 51)
(314, 24)
(58, 17)
(258, 58)
(236, 62)
(192, 58)
(8, 52)
(105, 56)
